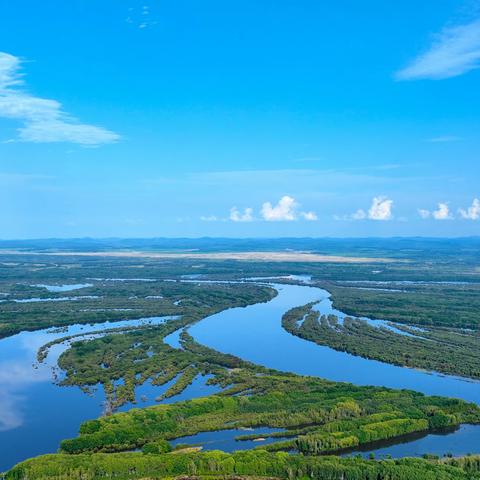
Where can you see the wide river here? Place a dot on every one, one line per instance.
(36, 414)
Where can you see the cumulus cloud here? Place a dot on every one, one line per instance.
(442, 212)
(238, 216)
(472, 212)
(455, 51)
(285, 210)
(43, 120)
(381, 209)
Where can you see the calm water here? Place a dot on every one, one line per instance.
(255, 333)
(64, 288)
(35, 414)
(225, 439)
(462, 441)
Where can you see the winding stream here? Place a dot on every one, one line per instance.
(255, 333)
(35, 414)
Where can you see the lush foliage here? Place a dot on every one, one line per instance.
(443, 304)
(318, 416)
(255, 464)
(439, 349)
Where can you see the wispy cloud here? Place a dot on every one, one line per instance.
(286, 210)
(424, 213)
(43, 120)
(359, 215)
(455, 51)
(472, 212)
(245, 216)
(140, 17)
(309, 216)
(444, 139)
(209, 218)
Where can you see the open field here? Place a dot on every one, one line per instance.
(306, 257)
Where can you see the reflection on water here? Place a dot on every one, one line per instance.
(463, 441)
(36, 414)
(64, 288)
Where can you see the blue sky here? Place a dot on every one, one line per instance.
(239, 118)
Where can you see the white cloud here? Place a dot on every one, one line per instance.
(472, 212)
(43, 119)
(455, 51)
(237, 216)
(442, 212)
(359, 215)
(424, 213)
(381, 209)
(284, 210)
(309, 216)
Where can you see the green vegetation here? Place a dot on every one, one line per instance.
(439, 349)
(248, 464)
(108, 301)
(419, 260)
(139, 355)
(135, 355)
(445, 305)
(319, 416)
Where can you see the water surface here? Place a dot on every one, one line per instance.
(35, 413)
(255, 333)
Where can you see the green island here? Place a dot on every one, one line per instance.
(449, 305)
(450, 351)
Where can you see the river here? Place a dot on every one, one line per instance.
(36, 414)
